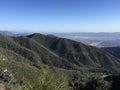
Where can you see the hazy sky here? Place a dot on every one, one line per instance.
(60, 15)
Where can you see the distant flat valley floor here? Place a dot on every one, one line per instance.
(94, 39)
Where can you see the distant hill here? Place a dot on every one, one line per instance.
(8, 33)
(14, 33)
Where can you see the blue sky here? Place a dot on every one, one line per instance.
(60, 15)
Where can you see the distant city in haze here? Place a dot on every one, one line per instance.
(60, 15)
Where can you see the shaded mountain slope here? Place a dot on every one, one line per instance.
(37, 54)
(41, 49)
(47, 56)
(76, 52)
(115, 51)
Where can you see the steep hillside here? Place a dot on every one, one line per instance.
(47, 56)
(9, 44)
(16, 73)
(14, 70)
(77, 53)
(115, 51)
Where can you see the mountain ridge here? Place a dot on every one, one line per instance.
(36, 60)
(71, 47)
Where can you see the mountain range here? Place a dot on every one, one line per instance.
(34, 61)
